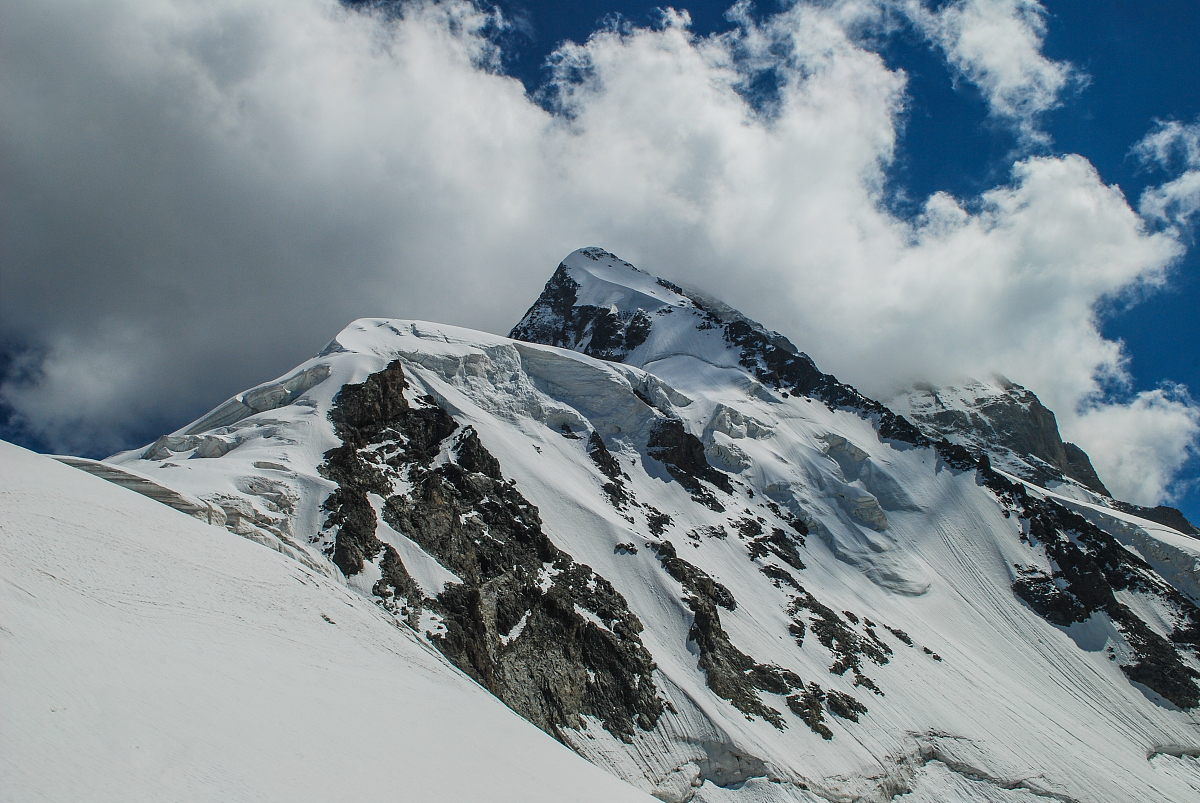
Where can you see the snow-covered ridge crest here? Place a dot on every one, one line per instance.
(607, 281)
(710, 568)
(683, 336)
(601, 305)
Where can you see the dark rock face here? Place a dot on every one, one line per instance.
(736, 676)
(728, 671)
(844, 706)
(603, 458)
(682, 454)
(1089, 568)
(1079, 467)
(779, 544)
(807, 706)
(373, 412)
(694, 580)
(956, 456)
(609, 467)
(1166, 516)
(657, 521)
(555, 320)
(1053, 604)
(1013, 423)
(514, 623)
(848, 646)
(774, 361)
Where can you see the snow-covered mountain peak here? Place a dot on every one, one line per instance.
(601, 305)
(608, 282)
(657, 531)
(696, 343)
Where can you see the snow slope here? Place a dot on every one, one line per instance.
(664, 536)
(147, 656)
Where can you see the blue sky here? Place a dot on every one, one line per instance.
(199, 196)
(1143, 59)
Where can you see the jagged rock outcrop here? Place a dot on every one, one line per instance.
(543, 633)
(557, 319)
(683, 456)
(1087, 569)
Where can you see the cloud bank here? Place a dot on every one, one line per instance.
(196, 196)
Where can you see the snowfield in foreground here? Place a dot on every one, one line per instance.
(145, 656)
(647, 525)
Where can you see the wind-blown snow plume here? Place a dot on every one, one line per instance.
(232, 181)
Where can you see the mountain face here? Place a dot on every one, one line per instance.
(602, 306)
(1007, 422)
(657, 531)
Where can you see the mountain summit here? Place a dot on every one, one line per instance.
(657, 531)
(600, 305)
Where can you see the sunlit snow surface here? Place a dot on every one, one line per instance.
(1016, 709)
(145, 656)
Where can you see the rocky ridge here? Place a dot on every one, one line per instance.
(543, 633)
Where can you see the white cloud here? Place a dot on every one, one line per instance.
(199, 195)
(1176, 147)
(1171, 142)
(997, 45)
(1141, 446)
